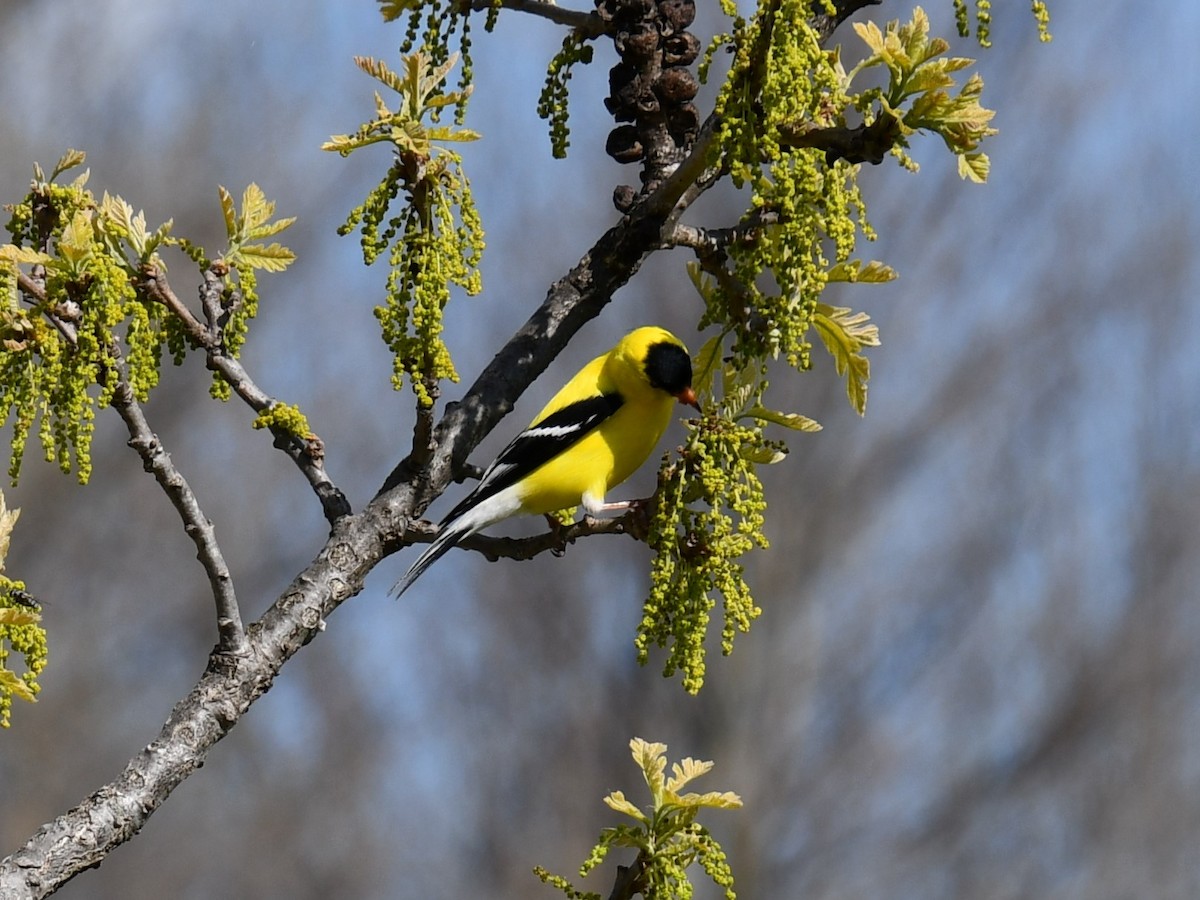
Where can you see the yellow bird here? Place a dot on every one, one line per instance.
(593, 435)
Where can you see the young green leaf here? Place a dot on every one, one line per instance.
(11, 684)
(12, 254)
(845, 334)
(651, 759)
(12, 616)
(394, 9)
(668, 839)
(228, 211)
(68, 160)
(705, 365)
(616, 800)
(856, 271)
(794, 421)
(256, 214)
(974, 167)
(763, 455)
(78, 239)
(268, 257)
(8, 520)
(685, 770)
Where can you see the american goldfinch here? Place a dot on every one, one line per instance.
(592, 436)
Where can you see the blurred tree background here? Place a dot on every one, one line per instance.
(978, 668)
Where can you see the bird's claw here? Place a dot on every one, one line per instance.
(560, 535)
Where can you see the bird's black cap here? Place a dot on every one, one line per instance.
(669, 368)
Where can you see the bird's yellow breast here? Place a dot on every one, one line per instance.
(602, 459)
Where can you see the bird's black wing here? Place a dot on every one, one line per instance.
(538, 444)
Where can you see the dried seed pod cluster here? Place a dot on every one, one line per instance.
(651, 89)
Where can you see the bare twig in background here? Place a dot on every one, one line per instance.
(307, 454)
(158, 462)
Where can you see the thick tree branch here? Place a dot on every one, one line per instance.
(82, 837)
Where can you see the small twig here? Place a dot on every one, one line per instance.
(709, 241)
(587, 24)
(630, 880)
(864, 143)
(710, 246)
(705, 241)
(155, 283)
(157, 461)
(36, 288)
(468, 471)
(635, 523)
(306, 453)
(826, 24)
(31, 286)
(210, 301)
(422, 444)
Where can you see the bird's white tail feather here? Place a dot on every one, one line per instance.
(446, 538)
(487, 512)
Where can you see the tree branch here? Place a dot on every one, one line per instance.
(156, 460)
(864, 143)
(36, 288)
(635, 522)
(82, 837)
(588, 24)
(571, 302)
(826, 24)
(154, 282)
(709, 241)
(630, 880)
(307, 454)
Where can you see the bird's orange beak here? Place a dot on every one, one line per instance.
(688, 398)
